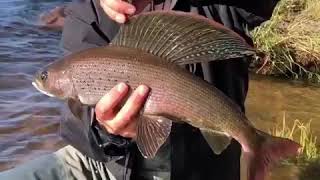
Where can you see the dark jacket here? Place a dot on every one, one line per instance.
(186, 155)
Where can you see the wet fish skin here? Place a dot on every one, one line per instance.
(55, 81)
(175, 94)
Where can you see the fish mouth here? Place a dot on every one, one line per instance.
(38, 87)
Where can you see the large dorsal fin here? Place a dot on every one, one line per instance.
(181, 38)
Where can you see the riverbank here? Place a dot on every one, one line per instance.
(290, 41)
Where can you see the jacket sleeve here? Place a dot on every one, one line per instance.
(86, 26)
(83, 30)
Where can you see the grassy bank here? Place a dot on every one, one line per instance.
(307, 165)
(290, 41)
(302, 134)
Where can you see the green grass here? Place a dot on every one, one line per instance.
(301, 133)
(290, 41)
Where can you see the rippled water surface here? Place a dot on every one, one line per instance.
(29, 120)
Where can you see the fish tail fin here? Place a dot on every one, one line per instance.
(271, 150)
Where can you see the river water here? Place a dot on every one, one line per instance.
(271, 100)
(29, 120)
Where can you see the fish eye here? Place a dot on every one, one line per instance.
(44, 75)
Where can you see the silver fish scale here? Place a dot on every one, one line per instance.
(149, 51)
(200, 106)
(190, 99)
(94, 77)
(175, 92)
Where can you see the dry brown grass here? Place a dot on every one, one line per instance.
(291, 39)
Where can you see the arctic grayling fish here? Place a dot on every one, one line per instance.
(149, 50)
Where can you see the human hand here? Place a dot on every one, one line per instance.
(121, 122)
(117, 9)
(54, 18)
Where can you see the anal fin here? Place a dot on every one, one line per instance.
(218, 141)
(152, 132)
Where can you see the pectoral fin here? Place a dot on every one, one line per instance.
(75, 107)
(218, 141)
(152, 132)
